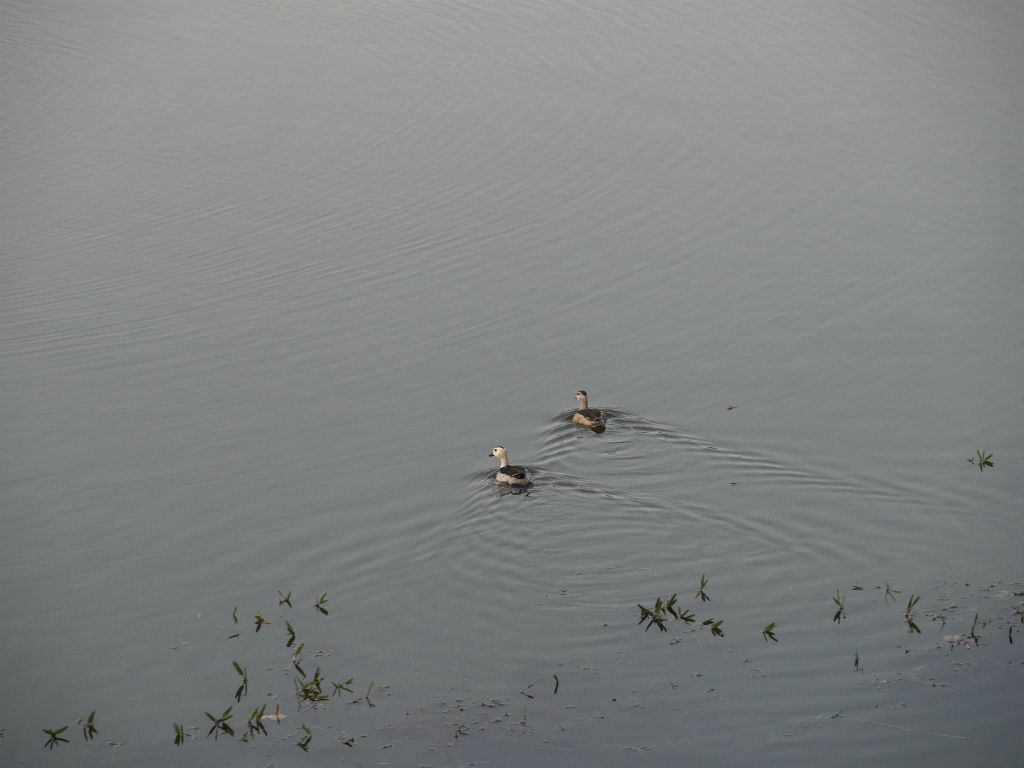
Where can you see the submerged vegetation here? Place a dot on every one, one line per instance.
(700, 590)
(220, 724)
(715, 626)
(315, 691)
(981, 460)
(55, 737)
(840, 613)
(668, 608)
(88, 725)
(320, 603)
(665, 610)
(659, 614)
(908, 614)
(309, 691)
(254, 724)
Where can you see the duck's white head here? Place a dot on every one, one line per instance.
(582, 396)
(499, 452)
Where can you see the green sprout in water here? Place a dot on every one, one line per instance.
(244, 674)
(981, 460)
(908, 614)
(339, 687)
(700, 591)
(657, 615)
(220, 724)
(254, 724)
(179, 734)
(284, 599)
(55, 736)
(841, 606)
(303, 743)
(291, 635)
(768, 633)
(715, 627)
(89, 726)
(260, 621)
(890, 593)
(652, 617)
(311, 690)
(647, 613)
(856, 662)
(320, 603)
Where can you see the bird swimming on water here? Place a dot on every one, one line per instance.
(509, 473)
(586, 416)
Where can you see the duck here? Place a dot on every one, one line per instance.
(508, 473)
(585, 416)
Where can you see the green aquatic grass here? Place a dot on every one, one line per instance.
(291, 635)
(840, 613)
(55, 737)
(260, 621)
(297, 659)
(663, 608)
(313, 691)
(320, 603)
(243, 689)
(88, 725)
(310, 690)
(981, 460)
(704, 598)
(220, 724)
(908, 614)
(715, 625)
(303, 743)
(254, 723)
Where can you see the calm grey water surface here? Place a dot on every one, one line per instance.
(276, 277)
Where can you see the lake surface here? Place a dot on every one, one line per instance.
(277, 277)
